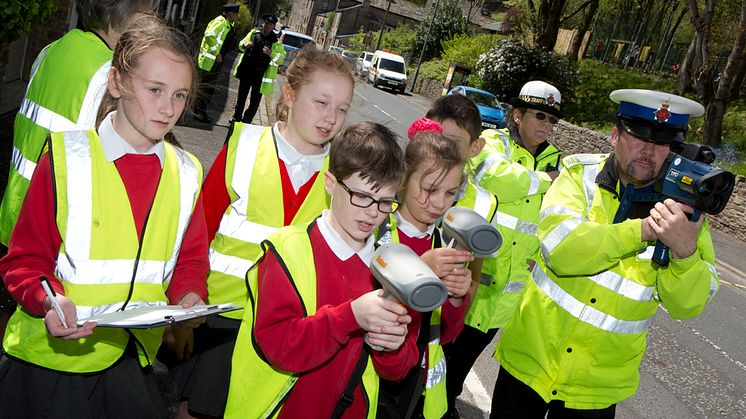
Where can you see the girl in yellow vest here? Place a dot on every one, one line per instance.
(112, 219)
(264, 178)
(435, 167)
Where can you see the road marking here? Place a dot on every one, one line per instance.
(735, 272)
(364, 98)
(482, 399)
(387, 114)
(696, 332)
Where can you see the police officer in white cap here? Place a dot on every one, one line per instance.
(517, 164)
(575, 343)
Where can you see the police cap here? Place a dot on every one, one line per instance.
(654, 116)
(539, 95)
(230, 7)
(270, 18)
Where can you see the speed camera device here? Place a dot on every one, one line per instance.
(470, 231)
(406, 278)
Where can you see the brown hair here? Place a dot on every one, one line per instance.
(308, 60)
(434, 148)
(370, 149)
(102, 14)
(461, 110)
(141, 35)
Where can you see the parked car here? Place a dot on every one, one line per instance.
(336, 50)
(388, 69)
(490, 109)
(363, 63)
(292, 42)
(350, 58)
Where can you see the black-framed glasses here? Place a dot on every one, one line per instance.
(361, 200)
(540, 116)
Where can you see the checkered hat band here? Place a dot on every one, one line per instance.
(648, 114)
(539, 101)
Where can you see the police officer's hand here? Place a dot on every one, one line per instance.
(445, 261)
(377, 314)
(54, 324)
(670, 222)
(266, 50)
(219, 59)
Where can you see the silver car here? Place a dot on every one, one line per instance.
(363, 63)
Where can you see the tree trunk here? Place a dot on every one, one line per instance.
(685, 71)
(735, 68)
(577, 41)
(713, 130)
(547, 23)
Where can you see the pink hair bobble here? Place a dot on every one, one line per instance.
(423, 125)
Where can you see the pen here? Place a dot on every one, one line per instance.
(51, 294)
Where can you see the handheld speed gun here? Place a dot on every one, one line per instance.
(471, 231)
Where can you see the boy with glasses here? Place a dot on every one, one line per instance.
(314, 298)
(517, 164)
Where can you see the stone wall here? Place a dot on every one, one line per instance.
(572, 139)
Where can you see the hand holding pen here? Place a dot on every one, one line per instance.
(61, 313)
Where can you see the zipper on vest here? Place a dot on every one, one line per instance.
(140, 242)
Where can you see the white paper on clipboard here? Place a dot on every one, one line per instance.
(148, 317)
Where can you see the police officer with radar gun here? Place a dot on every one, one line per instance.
(574, 346)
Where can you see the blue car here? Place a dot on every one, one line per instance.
(490, 109)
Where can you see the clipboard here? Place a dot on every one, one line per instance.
(148, 317)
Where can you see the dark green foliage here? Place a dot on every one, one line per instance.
(16, 17)
(504, 69)
(449, 21)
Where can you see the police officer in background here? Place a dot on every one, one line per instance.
(574, 346)
(254, 62)
(219, 37)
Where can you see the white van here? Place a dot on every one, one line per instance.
(388, 69)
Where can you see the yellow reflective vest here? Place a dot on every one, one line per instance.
(579, 332)
(257, 389)
(252, 179)
(63, 94)
(95, 270)
(212, 42)
(519, 180)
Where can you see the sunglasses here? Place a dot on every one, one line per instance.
(540, 116)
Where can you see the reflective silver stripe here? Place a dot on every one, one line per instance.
(189, 186)
(35, 66)
(557, 235)
(229, 265)
(482, 202)
(236, 226)
(514, 286)
(79, 198)
(623, 286)
(436, 373)
(647, 254)
(111, 271)
(514, 223)
(714, 285)
(86, 116)
(559, 210)
(22, 165)
(485, 279)
(207, 54)
(583, 312)
(483, 167)
(506, 145)
(268, 80)
(534, 183)
(234, 223)
(589, 186)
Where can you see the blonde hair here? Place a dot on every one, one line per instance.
(441, 153)
(299, 72)
(141, 35)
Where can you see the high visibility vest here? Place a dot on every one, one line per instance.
(511, 172)
(268, 80)
(212, 42)
(579, 332)
(436, 398)
(100, 250)
(252, 179)
(257, 389)
(63, 94)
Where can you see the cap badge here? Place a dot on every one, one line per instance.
(662, 114)
(550, 99)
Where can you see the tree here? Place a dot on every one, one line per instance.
(716, 91)
(17, 18)
(399, 40)
(442, 23)
(590, 7)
